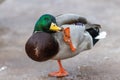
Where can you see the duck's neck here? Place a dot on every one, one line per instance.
(38, 29)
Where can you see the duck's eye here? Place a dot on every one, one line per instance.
(46, 19)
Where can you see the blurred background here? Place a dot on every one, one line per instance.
(17, 20)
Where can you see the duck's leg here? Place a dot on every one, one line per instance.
(61, 73)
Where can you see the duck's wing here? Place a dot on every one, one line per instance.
(74, 18)
(70, 19)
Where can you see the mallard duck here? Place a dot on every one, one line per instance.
(61, 37)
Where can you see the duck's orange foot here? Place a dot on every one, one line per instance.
(67, 39)
(59, 74)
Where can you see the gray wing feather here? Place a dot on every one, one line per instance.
(74, 18)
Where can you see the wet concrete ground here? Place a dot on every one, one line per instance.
(17, 19)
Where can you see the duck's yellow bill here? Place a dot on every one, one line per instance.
(54, 27)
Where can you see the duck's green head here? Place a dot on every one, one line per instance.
(47, 23)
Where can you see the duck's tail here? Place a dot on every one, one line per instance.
(94, 32)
